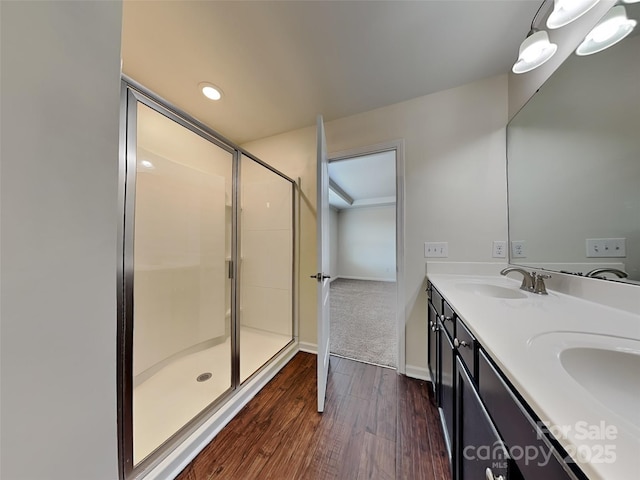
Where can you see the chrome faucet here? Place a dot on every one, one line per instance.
(538, 283)
(531, 282)
(527, 278)
(596, 273)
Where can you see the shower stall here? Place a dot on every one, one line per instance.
(207, 275)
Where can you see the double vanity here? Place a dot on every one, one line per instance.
(533, 386)
(547, 386)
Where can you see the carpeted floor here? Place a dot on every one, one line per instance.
(363, 321)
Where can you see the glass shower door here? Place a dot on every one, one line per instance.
(181, 287)
(266, 265)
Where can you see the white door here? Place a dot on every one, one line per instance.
(322, 276)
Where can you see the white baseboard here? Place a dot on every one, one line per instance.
(373, 279)
(417, 372)
(178, 459)
(308, 347)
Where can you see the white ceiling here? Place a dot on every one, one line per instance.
(369, 180)
(281, 63)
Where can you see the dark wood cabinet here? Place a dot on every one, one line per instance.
(433, 336)
(481, 450)
(447, 387)
(482, 415)
(520, 431)
(441, 360)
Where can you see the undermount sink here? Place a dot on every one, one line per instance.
(491, 290)
(606, 367)
(611, 376)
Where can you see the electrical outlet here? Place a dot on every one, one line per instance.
(606, 247)
(436, 249)
(499, 249)
(518, 249)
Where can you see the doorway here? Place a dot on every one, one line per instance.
(366, 225)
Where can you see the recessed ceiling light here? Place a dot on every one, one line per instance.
(210, 91)
(146, 164)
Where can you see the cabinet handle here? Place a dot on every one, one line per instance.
(491, 476)
(445, 319)
(457, 343)
(434, 328)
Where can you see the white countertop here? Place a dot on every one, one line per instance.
(513, 332)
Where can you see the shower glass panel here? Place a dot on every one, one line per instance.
(266, 265)
(181, 287)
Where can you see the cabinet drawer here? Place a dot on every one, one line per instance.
(517, 428)
(449, 320)
(436, 300)
(466, 344)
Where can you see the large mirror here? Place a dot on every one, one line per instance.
(574, 166)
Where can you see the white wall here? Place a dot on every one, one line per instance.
(60, 116)
(455, 183)
(367, 243)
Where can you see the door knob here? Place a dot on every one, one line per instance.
(319, 276)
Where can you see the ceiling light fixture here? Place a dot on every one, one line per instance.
(210, 91)
(613, 27)
(566, 11)
(147, 164)
(534, 51)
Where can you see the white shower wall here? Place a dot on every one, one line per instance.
(182, 240)
(266, 250)
(180, 297)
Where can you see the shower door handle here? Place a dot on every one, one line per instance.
(320, 276)
(230, 269)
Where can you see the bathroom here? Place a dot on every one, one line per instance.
(60, 351)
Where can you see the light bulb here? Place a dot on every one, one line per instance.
(566, 11)
(534, 51)
(614, 27)
(605, 30)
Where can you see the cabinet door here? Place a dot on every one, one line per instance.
(520, 431)
(434, 362)
(447, 392)
(479, 446)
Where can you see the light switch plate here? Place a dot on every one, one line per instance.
(436, 249)
(606, 247)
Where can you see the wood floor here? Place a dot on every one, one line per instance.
(376, 425)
